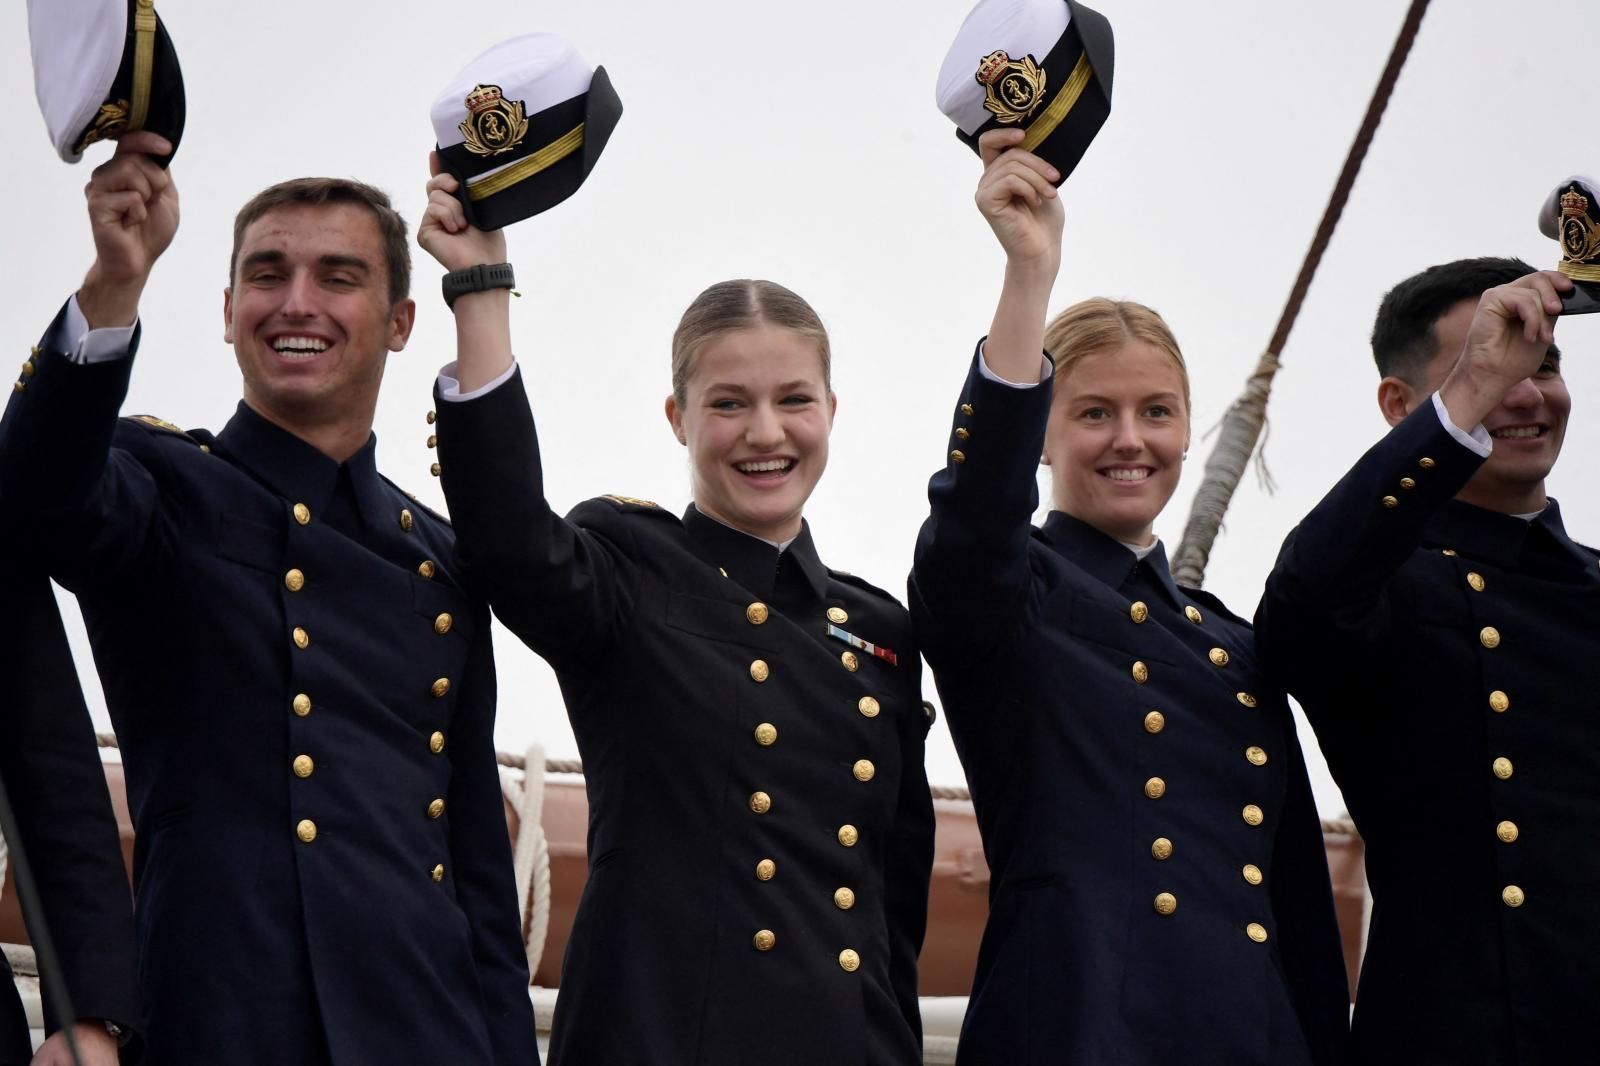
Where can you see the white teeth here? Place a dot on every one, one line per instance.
(765, 467)
(299, 347)
(1128, 475)
(1516, 433)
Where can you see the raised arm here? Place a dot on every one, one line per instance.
(970, 582)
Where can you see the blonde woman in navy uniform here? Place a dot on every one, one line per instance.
(1159, 891)
(750, 721)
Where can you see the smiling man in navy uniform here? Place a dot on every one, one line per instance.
(1440, 628)
(304, 695)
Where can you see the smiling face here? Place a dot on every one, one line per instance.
(1527, 427)
(755, 416)
(310, 318)
(1118, 429)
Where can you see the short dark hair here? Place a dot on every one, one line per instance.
(323, 192)
(1403, 337)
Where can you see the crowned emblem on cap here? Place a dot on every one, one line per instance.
(1579, 236)
(493, 125)
(1013, 88)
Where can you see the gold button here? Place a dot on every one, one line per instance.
(851, 663)
(766, 734)
(764, 939)
(1141, 672)
(766, 870)
(302, 639)
(1252, 814)
(206, 448)
(1475, 579)
(27, 370)
(1425, 463)
(1245, 698)
(1166, 903)
(1219, 657)
(294, 580)
(1390, 501)
(1155, 722)
(1408, 483)
(436, 808)
(868, 706)
(1155, 788)
(849, 961)
(756, 613)
(1192, 613)
(435, 469)
(1138, 611)
(848, 835)
(838, 616)
(1512, 896)
(19, 386)
(962, 434)
(1499, 702)
(405, 520)
(759, 671)
(760, 802)
(1256, 756)
(442, 624)
(1507, 832)
(432, 417)
(1161, 849)
(302, 704)
(440, 687)
(1257, 932)
(426, 568)
(966, 409)
(863, 769)
(1448, 551)
(958, 456)
(306, 830)
(1252, 873)
(438, 873)
(433, 440)
(302, 514)
(436, 743)
(1489, 637)
(303, 766)
(844, 899)
(1502, 768)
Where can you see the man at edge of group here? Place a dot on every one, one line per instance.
(1439, 627)
(303, 693)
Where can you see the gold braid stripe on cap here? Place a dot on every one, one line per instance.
(144, 60)
(527, 167)
(1581, 271)
(1047, 122)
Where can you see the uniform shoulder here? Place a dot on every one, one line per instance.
(161, 428)
(1214, 604)
(846, 577)
(601, 508)
(411, 500)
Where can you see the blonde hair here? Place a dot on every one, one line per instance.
(742, 304)
(1098, 325)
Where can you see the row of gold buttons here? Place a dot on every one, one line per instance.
(1506, 831)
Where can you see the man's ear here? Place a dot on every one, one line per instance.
(401, 318)
(227, 316)
(675, 418)
(1396, 399)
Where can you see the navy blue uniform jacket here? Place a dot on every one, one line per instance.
(1159, 889)
(760, 828)
(304, 697)
(1449, 660)
(58, 791)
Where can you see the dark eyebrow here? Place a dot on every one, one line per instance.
(274, 257)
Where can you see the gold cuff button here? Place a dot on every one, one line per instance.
(303, 766)
(759, 671)
(301, 705)
(1502, 768)
(436, 743)
(435, 469)
(436, 808)
(302, 514)
(848, 835)
(1161, 849)
(1408, 483)
(1512, 896)
(306, 830)
(1245, 698)
(294, 580)
(1425, 463)
(864, 770)
(958, 456)
(1257, 932)
(838, 615)
(1165, 903)
(851, 663)
(1451, 552)
(27, 370)
(766, 870)
(1155, 722)
(1475, 579)
(438, 873)
(764, 939)
(1499, 702)
(19, 386)
(1252, 814)
(433, 440)
(405, 520)
(1192, 613)
(1255, 756)
(966, 409)
(766, 734)
(963, 434)
(844, 899)
(756, 613)
(1138, 611)
(1489, 637)
(1219, 657)
(426, 568)
(302, 639)
(1252, 873)
(442, 624)
(440, 687)
(1390, 501)
(1140, 672)
(1155, 788)
(849, 961)
(1507, 832)
(433, 416)
(760, 802)
(868, 707)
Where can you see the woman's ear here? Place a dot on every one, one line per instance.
(675, 419)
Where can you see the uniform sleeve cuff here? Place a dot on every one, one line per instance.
(84, 345)
(983, 370)
(1476, 441)
(450, 385)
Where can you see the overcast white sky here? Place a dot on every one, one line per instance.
(800, 142)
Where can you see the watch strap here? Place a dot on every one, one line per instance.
(479, 277)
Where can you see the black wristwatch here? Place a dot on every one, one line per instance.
(478, 278)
